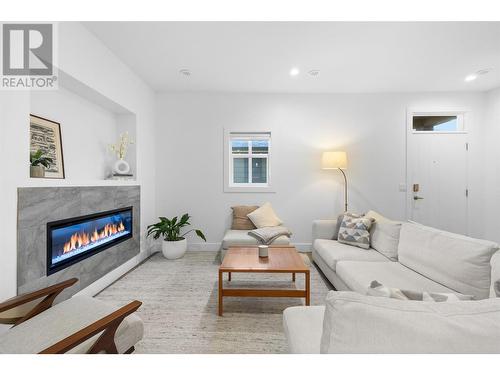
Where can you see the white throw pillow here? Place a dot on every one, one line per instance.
(354, 323)
(384, 235)
(264, 216)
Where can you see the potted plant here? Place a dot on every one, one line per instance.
(174, 244)
(121, 166)
(38, 163)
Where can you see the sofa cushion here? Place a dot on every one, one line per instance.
(242, 238)
(264, 216)
(333, 251)
(495, 275)
(240, 219)
(303, 328)
(354, 323)
(459, 262)
(359, 275)
(384, 235)
(64, 319)
(323, 229)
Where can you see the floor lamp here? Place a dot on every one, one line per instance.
(336, 160)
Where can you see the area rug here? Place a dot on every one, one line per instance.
(180, 306)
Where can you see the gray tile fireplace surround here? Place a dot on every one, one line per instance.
(40, 205)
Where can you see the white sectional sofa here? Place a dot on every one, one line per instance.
(427, 260)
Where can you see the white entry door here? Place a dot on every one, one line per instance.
(437, 171)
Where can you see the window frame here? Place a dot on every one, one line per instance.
(460, 115)
(249, 136)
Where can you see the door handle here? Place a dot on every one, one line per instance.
(416, 198)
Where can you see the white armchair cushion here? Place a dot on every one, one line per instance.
(354, 323)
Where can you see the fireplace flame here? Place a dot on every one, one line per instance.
(80, 239)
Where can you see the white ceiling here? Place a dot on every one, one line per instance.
(352, 57)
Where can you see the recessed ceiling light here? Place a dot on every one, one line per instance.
(472, 77)
(185, 72)
(294, 72)
(314, 73)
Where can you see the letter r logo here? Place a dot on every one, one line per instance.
(27, 49)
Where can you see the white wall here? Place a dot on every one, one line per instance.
(84, 57)
(87, 129)
(491, 167)
(370, 127)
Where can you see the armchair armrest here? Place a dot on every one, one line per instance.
(105, 343)
(323, 229)
(48, 294)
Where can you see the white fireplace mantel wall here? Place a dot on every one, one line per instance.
(97, 73)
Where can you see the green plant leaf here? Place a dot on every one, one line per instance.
(201, 235)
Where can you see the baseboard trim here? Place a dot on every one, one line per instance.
(108, 279)
(215, 246)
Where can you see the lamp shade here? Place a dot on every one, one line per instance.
(334, 160)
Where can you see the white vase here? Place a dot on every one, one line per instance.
(121, 167)
(174, 249)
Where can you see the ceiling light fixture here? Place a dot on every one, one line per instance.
(185, 72)
(314, 73)
(470, 77)
(474, 76)
(294, 72)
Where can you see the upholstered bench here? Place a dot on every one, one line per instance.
(247, 218)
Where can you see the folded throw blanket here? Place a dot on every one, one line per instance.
(267, 235)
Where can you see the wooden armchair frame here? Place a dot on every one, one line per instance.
(107, 325)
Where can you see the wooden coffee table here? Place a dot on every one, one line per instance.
(281, 259)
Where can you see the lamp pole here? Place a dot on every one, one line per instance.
(345, 189)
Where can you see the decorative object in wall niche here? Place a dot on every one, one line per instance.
(121, 168)
(45, 136)
(174, 244)
(38, 163)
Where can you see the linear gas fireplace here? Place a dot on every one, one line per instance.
(71, 240)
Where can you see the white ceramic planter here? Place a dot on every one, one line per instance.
(174, 249)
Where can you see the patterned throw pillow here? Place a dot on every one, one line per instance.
(339, 221)
(355, 231)
(378, 290)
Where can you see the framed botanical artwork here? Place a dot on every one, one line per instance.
(45, 138)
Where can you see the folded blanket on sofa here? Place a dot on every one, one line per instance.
(267, 235)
